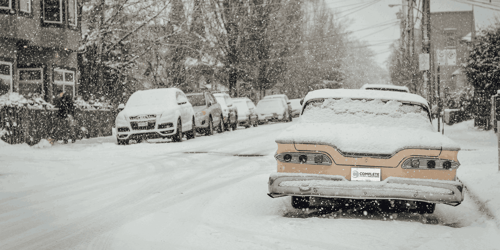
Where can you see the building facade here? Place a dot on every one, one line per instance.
(39, 40)
(452, 36)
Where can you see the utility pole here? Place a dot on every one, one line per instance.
(426, 45)
(411, 43)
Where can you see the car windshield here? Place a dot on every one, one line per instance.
(371, 112)
(270, 106)
(197, 100)
(147, 98)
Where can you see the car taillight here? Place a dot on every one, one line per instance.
(304, 158)
(429, 163)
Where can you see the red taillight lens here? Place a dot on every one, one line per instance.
(303, 158)
(287, 157)
(431, 164)
(415, 163)
(446, 165)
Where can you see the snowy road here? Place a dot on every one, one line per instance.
(208, 193)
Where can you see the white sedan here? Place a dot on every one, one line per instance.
(156, 113)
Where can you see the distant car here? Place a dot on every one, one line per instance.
(386, 87)
(247, 116)
(284, 97)
(156, 113)
(362, 145)
(296, 106)
(272, 110)
(229, 111)
(208, 113)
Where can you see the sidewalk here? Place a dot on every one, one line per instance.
(479, 164)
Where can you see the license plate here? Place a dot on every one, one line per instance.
(365, 174)
(142, 124)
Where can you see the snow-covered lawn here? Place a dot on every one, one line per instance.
(210, 193)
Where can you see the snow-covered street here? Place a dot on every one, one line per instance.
(206, 193)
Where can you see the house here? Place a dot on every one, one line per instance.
(38, 46)
(452, 35)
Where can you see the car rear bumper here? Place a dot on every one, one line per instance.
(335, 186)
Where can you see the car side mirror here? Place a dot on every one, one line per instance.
(301, 101)
(210, 103)
(288, 102)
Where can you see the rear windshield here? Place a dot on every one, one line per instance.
(148, 98)
(197, 100)
(270, 106)
(241, 105)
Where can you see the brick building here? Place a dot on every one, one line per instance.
(452, 32)
(38, 46)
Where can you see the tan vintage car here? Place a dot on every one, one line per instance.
(376, 146)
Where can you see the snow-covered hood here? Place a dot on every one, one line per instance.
(365, 139)
(144, 110)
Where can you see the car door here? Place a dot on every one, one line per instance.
(216, 108)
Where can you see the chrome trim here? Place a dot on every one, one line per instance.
(335, 186)
(142, 117)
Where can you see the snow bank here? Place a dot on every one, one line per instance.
(16, 100)
(43, 144)
(373, 127)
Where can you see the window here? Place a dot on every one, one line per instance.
(450, 36)
(72, 12)
(6, 4)
(30, 81)
(64, 81)
(52, 11)
(5, 78)
(25, 6)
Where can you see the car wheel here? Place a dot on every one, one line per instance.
(178, 136)
(221, 127)
(210, 129)
(191, 134)
(123, 142)
(256, 123)
(300, 202)
(235, 124)
(248, 123)
(290, 117)
(425, 208)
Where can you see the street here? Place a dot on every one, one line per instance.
(206, 193)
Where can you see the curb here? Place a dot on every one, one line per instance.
(483, 207)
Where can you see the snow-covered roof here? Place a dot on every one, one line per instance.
(385, 86)
(366, 94)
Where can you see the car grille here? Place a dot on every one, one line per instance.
(142, 117)
(135, 125)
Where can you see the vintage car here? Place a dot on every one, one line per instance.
(366, 145)
(229, 111)
(386, 87)
(155, 113)
(208, 113)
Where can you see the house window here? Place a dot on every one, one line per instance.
(52, 11)
(64, 81)
(25, 6)
(72, 12)
(30, 81)
(451, 38)
(5, 78)
(6, 4)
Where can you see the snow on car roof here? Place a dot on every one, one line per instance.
(385, 86)
(365, 94)
(274, 96)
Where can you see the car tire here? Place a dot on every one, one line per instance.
(300, 202)
(235, 124)
(123, 142)
(178, 135)
(221, 127)
(256, 123)
(425, 208)
(248, 123)
(192, 133)
(210, 129)
(290, 118)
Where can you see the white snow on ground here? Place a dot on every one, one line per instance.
(479, 168)
(199, 194)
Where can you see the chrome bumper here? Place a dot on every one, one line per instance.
(335, 186)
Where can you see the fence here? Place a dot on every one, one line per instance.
(30, 125)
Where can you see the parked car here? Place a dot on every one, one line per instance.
(296, 106)
(208, 113)
(156, 113)
(229, 111)
(355, 145)
(284, 97)
(386, 87)
(246, 112)
(271, 110)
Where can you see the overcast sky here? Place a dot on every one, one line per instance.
(375, 22)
